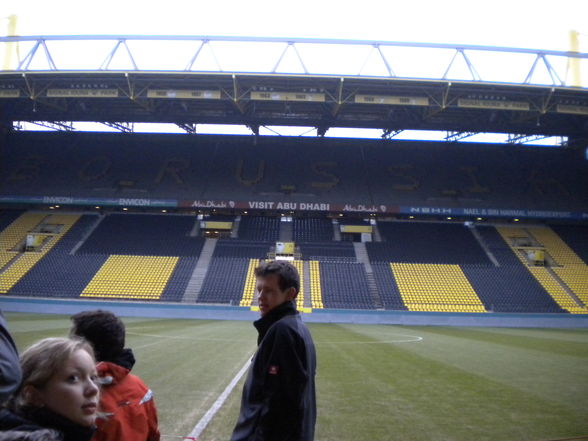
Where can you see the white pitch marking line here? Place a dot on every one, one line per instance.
(180, 337)
(410, 339)
(209, 415)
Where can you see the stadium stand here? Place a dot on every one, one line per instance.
(260, 229)
(144, 235)
(344, 286)
(234, 248)
(442, 288)
(315, 285)
(15, 260)
(340, 171)
(427, 266)
(140, 277)
(60, 274)
(63, 274)
(516, 287)
(8, 216)
(82, 261)
(387, 287)
(510, 289)
(225, 281)
(328, 251)
(249, 288)
(422, 242)
(300, 298)
(311, 229)
(575, 237)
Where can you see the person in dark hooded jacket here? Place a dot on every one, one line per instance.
(278, 402)
(128, 405)
(10, 373)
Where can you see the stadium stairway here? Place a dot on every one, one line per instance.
(484, 245)
(197, 278)
(559, 281)
(87, 234)
(286, 232)
(235, 229)
(361, 256)
(307, 304)
(336, 232)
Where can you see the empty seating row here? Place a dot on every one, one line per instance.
(242, 249)
(257, 228)
(133, 234)
(424, 242)
(224, 281)
(312, 230)
(435, 288)
(575, 237)
(328, 251)
(344, 285)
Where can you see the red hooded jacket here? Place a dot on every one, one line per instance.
(128, 403)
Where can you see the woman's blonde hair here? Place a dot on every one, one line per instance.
(43, 359)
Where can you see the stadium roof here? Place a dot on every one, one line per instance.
(295, 90)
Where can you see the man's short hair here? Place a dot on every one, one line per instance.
(104, 330)
(287, 273)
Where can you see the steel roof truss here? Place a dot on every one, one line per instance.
(555, 79)
(121, 42)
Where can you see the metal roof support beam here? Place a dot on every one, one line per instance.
(26, 61)
(122, 127)
(470, 65)
(377, 48)
(106, 63)
(321, 131)
(271, 130)
(205, 42)
(555, 79)
(193, 59)
(523, 139)
(254, 129)
(117, 40)
(388, 67)
(188, 128)
(236, 98)
(389, 133)
(458, 136)
(290, 44)
(60, 126)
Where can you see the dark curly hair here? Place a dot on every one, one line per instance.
(104, 330)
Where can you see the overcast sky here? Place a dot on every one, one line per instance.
(542, 24)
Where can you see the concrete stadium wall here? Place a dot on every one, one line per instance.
(211, 312)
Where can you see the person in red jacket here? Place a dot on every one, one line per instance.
(128, 405)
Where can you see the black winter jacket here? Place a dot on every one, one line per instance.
(278, 402)
(40, 424)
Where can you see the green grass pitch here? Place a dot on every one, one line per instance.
(373, 382)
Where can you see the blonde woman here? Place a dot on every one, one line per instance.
(59, 391)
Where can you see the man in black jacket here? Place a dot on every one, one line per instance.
(278, 402)
(10, 373)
